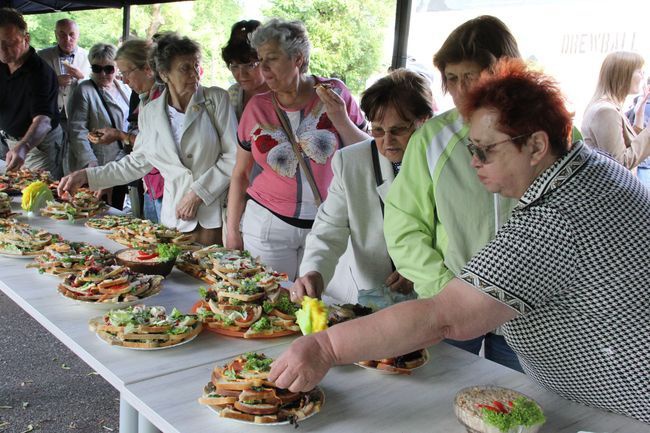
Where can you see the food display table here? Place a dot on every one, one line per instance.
(164, 385)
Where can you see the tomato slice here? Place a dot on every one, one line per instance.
(117, 288)
(143, 255)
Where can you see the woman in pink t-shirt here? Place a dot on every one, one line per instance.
(282, 203)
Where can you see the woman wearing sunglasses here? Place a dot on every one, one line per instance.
(396, 105)
(99, 102)
(566, 275)
(244, 65)
(132, 62)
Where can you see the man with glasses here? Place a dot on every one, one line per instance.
(30, 134)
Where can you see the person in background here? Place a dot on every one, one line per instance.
(640, 109)
(68, 61)
(566, 275)
(189, 133)
(131, 60)
(281, 186)
(604, 124)
(438, 215)
(99, 102)
(30, 134)
(396, 106)
(243, 63)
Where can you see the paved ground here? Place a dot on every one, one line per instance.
(44, 387)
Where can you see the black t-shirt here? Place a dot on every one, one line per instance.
(30, 91)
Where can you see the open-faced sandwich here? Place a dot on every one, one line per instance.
(22, 241)
(403, 364)
(5, 205)
(13, 182)
(109, 284)
(199, 264)
(66, 257)
(138, 233)
(240, 390)
(108, 222)
(144, 327)
(247, 311)
(492, 409)
(81, 205)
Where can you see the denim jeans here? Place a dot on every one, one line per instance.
(152, 208)
(496, 349)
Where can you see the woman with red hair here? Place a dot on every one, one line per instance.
(566, 275)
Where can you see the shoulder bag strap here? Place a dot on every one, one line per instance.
(110, 115)
(379, 180)
(284, 121)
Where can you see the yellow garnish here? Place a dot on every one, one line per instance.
(35, 195)
(312, 316)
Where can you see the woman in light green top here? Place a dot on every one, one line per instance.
(438, 214)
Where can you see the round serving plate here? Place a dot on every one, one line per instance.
(426, 357)
(148, 348)
(239, 334)
(108, 305)
(19, 256)
(318, 391)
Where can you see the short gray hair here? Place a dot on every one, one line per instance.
(167, 47)
(291, 36)
(102, 52)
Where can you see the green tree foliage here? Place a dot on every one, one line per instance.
(347, 36)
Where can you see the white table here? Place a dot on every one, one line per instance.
(357, 400)
(164, 385)
(68, 320)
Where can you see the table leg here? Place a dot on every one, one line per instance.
(128, 417)
(144, 426)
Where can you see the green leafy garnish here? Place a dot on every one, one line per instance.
(262, 324)
(257, 362)
(230, 374)
(203, 292)
(168, 252)
(523, 412)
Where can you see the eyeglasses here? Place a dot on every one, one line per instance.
(234, 67)
(107, 69)
(125, 74)
(481, 152)
(395, 132)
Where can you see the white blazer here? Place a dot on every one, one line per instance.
(352, 211)
(204, 164)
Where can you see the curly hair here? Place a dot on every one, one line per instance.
(291, 37)
(526, 101)
(167, 46)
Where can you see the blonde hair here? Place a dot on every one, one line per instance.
(616, 76)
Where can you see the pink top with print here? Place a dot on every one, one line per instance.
(273, 180)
